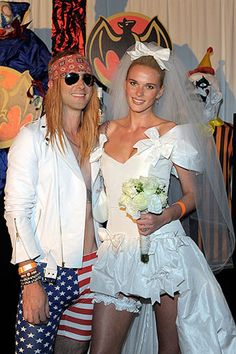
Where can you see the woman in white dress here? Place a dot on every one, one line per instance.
(191, 313)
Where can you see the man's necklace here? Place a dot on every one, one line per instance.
(75, 148)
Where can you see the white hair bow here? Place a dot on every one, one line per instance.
(159, 54)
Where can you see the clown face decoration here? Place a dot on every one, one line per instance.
(206, 86)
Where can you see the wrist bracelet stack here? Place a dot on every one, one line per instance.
(30, 278)
(29, 273)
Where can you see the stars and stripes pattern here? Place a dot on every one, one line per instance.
(39, 339)
(76, 321)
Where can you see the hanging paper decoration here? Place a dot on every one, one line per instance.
(68, 25)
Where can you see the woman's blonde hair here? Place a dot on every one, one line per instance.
(88, 132)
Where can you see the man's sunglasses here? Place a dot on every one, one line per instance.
(72, 78)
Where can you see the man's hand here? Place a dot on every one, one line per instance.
(35, 303)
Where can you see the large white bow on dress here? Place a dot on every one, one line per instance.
(159, 54)
(97, 152)
(114, 239)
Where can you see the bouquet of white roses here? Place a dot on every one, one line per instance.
(143, 194)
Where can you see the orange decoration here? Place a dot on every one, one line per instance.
(16, 109)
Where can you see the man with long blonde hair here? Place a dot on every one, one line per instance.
(48, 208)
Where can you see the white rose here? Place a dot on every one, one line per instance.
(124, 200)
(154, 204)
(152, 184)
(129, 188)
(140, 201)
(149, 189)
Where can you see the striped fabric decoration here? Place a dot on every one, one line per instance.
(224, 146)
(216, 246)
(68, 25)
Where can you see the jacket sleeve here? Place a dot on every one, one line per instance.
(20, 195)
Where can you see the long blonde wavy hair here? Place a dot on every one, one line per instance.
(88, 131)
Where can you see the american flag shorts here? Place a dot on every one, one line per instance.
(76, 321)
(39, 339)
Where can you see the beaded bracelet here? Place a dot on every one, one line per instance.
(29, 274)
(182, 206)
(31, 279)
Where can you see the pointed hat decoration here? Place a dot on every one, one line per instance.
(205, 65)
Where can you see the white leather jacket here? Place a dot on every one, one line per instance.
(43, 194)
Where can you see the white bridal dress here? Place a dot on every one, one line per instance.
(204, 322)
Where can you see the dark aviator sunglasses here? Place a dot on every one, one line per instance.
(72, 78)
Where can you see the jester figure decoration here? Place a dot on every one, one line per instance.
(206, 85)
(23, 75)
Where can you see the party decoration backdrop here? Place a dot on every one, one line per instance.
(110, 38)
(68, 25)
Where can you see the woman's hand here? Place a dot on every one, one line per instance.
(149, 222)
(35, 303)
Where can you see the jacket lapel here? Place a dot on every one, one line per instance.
(67, 156)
